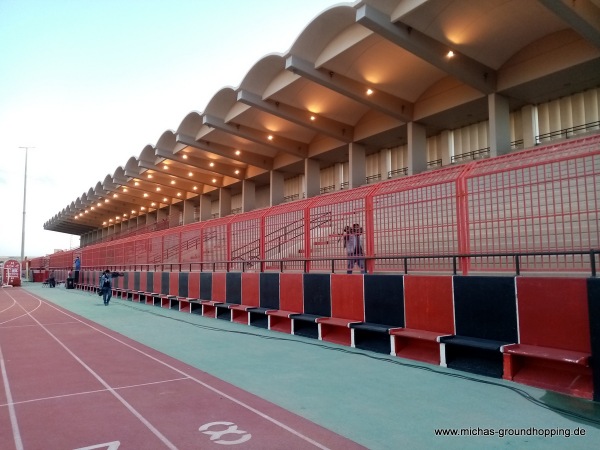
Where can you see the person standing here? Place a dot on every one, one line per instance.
(77, 267)
(353, 247)
(106, 286)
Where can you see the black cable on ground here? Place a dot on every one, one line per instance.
(396, 361)
(376, 357)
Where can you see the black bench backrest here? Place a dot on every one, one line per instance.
(486, 307)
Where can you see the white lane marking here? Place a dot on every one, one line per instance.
(96, 391)
(124, 402)
(108, 446)
(207, 386)
(11, 409)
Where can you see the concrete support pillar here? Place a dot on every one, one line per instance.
(224, 202)
(385, 163)
(529, 125)
(175, 213)
(446, 146)
(151, 217)
(277, 188)
(162, 214)
(205, 207)
(312, 178)
(499, 123)
(248, 195)
(357, 167)
(189, 207)
(417, 148)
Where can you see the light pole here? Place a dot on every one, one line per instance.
(24, 204)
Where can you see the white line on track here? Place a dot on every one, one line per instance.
(207, 386)
(75, 394)
(124, 402)
(11, 408)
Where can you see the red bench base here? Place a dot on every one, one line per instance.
(420, 345)
(564, 371)
(335, 330)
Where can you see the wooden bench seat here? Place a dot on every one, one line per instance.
(560, 370)
(420, 345)
(336, 330)
(209, 308)
(239, 313)
(280, 320)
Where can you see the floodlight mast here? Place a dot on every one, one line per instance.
(24, 206)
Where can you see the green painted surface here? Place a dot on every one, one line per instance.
(379, 401)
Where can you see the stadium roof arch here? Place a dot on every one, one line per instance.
(357, 73)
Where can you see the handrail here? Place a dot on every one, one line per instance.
(566, 131)
(404, 259)
(470, 155)
(403, 171)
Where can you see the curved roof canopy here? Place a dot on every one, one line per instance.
(357, 73)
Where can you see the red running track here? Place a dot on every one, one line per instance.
(68, 383)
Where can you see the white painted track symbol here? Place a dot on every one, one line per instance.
(231, 429)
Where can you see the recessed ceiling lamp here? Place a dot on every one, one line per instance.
(369, 91)
(450, 54)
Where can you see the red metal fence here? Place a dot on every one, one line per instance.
(545, 199)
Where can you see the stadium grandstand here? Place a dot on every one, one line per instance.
(461, 137)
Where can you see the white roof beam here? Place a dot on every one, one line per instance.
(279, 143)
(462, 67)
(388, 104)
(320, 124)
(190, 161)
(263, 162)
(581, 15)
(196, 176)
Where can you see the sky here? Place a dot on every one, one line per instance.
(86, 84)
